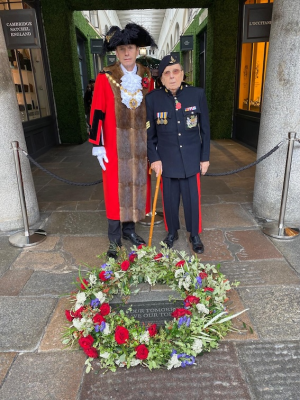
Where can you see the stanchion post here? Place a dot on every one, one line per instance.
(279, 231)
(15, 146)
(26, 238)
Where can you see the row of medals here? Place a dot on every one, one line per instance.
(162, 121)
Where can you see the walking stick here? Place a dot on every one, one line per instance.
(154, 208)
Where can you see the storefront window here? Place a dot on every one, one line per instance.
(252, 71)
(28, 75)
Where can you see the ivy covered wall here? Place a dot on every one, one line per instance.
(60, 27)
(222, 31)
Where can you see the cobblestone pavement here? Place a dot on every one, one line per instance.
(34, 282)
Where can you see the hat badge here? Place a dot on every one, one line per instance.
(172, 61)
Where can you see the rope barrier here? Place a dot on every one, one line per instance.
(58, 177)
(100, 181)
(249, 165)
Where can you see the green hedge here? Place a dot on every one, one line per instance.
(222, 30)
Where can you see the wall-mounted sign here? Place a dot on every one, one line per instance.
(96, 46)
(186, 42)
(176, 55)
(111, 59)
(20, 29)
(257, 22)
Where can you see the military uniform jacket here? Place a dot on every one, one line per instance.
(178, 130)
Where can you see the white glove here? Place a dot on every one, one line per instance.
(100, 153)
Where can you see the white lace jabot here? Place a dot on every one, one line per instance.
(133, 85)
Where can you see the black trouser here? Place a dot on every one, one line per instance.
(114, 229)
(190, 192)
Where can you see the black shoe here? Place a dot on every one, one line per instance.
(134, 238)
(113, 250)
(170, 239)
(197, 244)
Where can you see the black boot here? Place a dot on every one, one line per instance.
(113, 250)
(197, 244)
(170, 239)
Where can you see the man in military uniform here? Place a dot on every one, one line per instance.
(119, 136)
(178, 147)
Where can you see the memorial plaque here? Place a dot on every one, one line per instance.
(150, 312)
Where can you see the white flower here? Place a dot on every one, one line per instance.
(100, 296)
(147, 279)
(197, 346)
(80, 297)
(78, 324)
(202, 309)
(104, 355)
(173, 362)
(145, 337)
(134, 362)
(120, 363)
(179, 272)
(106, 330)
(187, 282)
(92, 279)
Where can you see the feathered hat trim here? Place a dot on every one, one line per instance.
(131, 34)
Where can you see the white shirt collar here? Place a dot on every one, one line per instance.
(134, 71)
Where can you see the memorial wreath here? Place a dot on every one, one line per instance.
(117, 339)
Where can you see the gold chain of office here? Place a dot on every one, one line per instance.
(132, 102)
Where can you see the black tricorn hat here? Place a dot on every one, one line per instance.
(131, 34)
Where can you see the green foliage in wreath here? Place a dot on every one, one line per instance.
(117, 339)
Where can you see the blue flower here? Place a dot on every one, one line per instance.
(95, 303)
(97, 328)
(103, 266)
(184, 320)
(102, 326)
(198, 283)
(108, 274)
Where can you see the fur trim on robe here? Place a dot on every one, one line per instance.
(132, 149)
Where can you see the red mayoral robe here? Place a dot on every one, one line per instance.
(122, 131)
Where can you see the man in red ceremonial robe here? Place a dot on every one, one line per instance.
(118, 133)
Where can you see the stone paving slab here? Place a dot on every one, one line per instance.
(84, 249)
(254, 245)
(211, 186)
(52, 339)
(215, 247)
(234, 306)
(216, 376)
(45, 284)
(48, 376)
(47, 245)
(41, 261)
(291, 250)
(216, 216)
(13, 282)
(274, 311)
(272, 370)
(77, 223)
(62, 192)
(8, 254)
(262, 272)
(6, 359)
(22, 322)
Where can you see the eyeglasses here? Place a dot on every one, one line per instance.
(174, 72)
